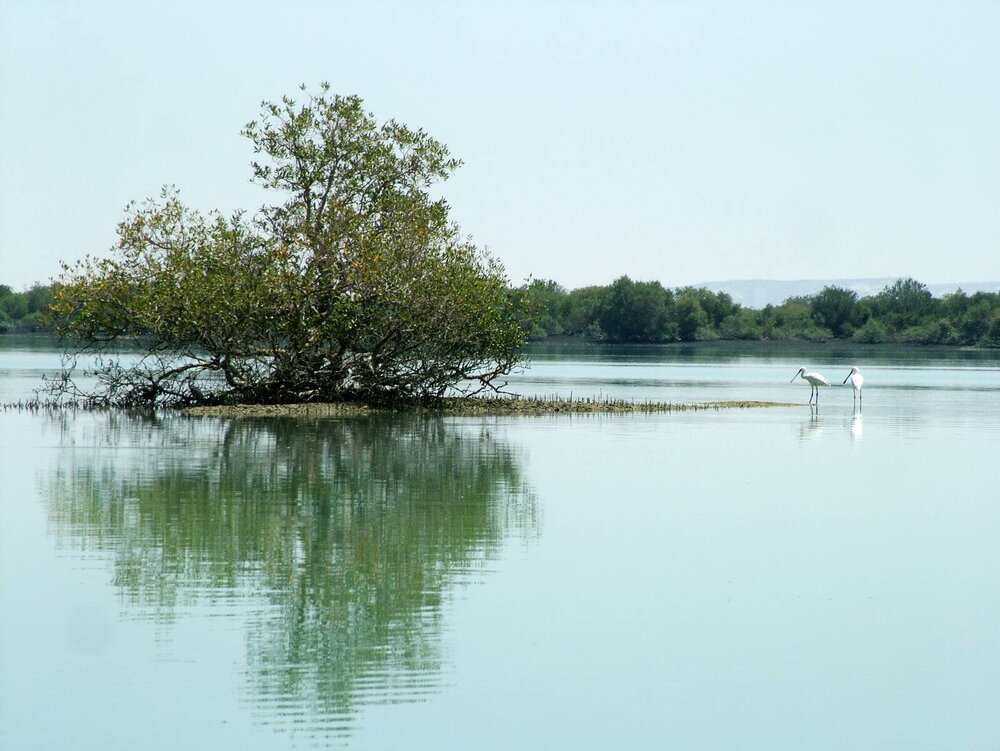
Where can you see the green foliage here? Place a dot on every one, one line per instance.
(636, 311)
(24, 311)
(540, 306)
(355, 284)
(904, 311)
(973, 320)
(33, 323)
(38, 298)
(939, 331)
(692, 319)
(873, 332)
(904, 303)
(954, 305)
(717, 305)
(991, 338)
(836, 309)
(14, 305)
(744, 324)
(581, 310)
(628, 311)
(794, 319)
(544, 308)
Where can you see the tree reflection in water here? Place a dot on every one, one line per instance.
(340, 538)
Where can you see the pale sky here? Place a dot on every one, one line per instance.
(676, 141)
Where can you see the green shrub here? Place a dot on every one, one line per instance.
(873, 332)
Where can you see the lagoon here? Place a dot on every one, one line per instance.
(778, 578)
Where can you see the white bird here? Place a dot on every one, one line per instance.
(815, 381)
(857, 381)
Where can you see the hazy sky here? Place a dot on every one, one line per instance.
(677, 141)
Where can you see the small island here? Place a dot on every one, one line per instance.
(474, 406)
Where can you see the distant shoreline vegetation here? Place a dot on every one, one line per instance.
(631, 312)
(25, 312)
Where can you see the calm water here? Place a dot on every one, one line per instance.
(786, 578)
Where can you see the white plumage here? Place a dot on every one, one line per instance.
(857, 381)
(815, 381)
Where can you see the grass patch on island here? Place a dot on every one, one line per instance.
(471, 406)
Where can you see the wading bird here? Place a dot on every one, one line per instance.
(815, 381)
(857, 381)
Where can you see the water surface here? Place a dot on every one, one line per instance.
(783, 578)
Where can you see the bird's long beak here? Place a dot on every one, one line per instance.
(848, 376)
(794, 377)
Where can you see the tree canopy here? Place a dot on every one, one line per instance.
(353, 284)
(628, 311)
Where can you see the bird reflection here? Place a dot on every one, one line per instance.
(857, 426)
(813, 427)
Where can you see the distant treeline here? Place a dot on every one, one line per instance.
(24, 311)
(630, 311)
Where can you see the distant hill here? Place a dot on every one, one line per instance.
(756, 293)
